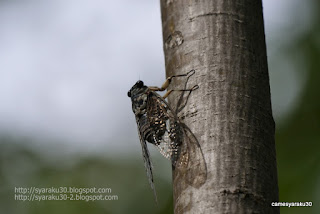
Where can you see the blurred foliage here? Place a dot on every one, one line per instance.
(20, 167)
(298, 137)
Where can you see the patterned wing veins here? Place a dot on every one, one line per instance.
(147, 160)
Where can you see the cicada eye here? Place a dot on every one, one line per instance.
(129, 93)
(139, 84)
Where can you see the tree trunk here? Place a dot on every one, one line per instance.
(230, 113)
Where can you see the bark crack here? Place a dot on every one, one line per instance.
(191, 19)
(242, 192)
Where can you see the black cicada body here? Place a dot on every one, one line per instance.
(159, 125)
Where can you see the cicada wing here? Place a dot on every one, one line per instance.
(191, 160)
(162, 119)
(147, 160)
(175, 140)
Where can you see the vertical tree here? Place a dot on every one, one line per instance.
(230, 114)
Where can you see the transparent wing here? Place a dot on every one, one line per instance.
(177, 143)
(163, 121)
(195, 170)
(147, 160)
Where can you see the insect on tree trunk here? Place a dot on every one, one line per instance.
(230, 113)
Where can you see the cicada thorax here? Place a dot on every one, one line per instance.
(139, 104)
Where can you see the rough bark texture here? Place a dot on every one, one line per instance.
(230, 114)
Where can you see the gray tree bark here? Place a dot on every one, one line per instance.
(230, 113)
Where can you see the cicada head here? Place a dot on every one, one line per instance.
(137, 89)
(138, 95)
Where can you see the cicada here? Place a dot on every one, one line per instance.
(159, 125)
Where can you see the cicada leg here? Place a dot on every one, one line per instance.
(166, 84)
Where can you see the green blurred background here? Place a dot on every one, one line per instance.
(294, 62)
